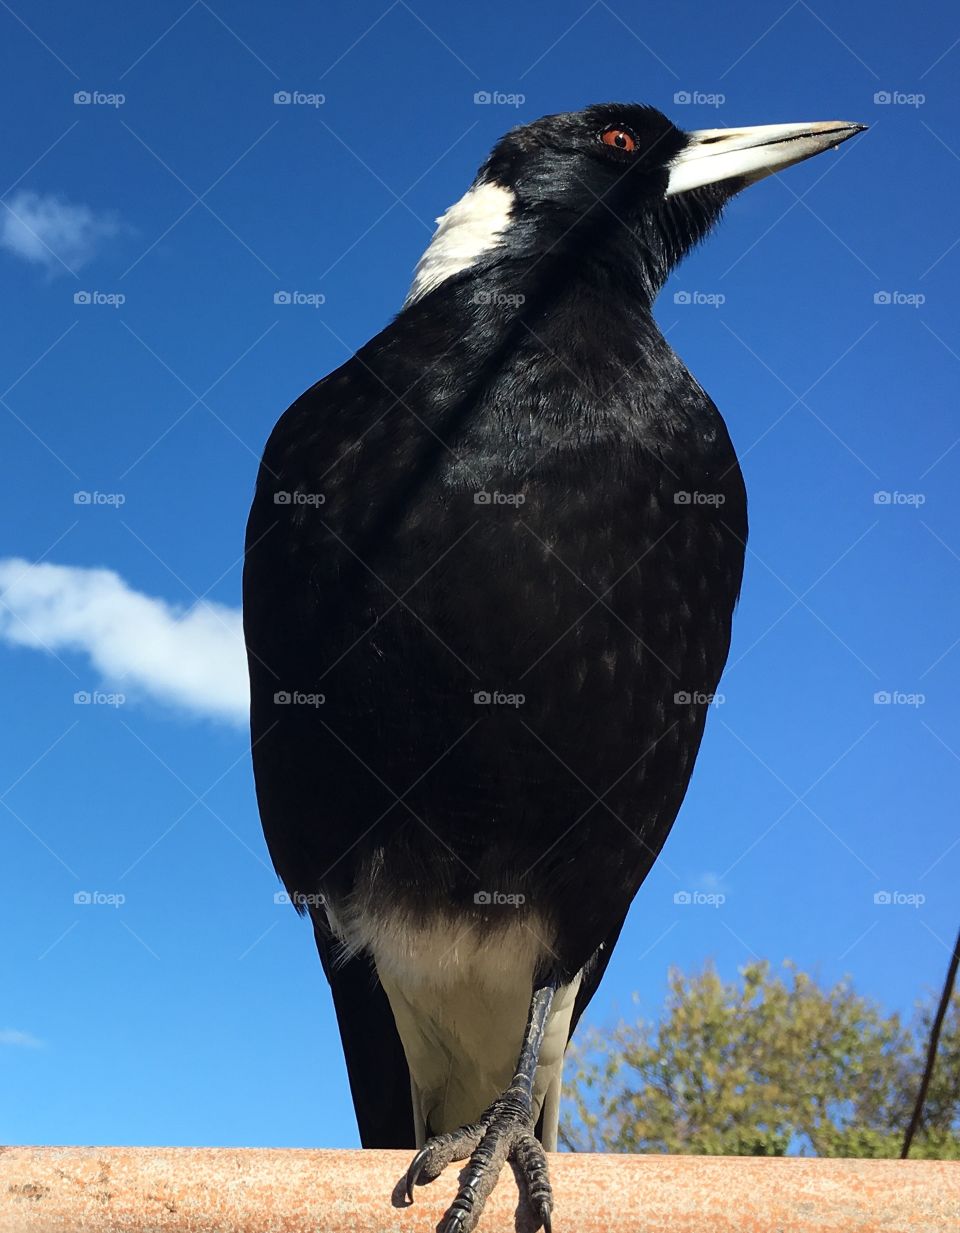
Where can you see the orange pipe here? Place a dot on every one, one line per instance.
(206, 1190)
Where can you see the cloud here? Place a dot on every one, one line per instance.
(46, 230)
(10, 1036)
(191, 658)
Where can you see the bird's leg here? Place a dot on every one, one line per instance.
(504, 1131)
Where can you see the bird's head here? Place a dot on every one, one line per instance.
(617, 183)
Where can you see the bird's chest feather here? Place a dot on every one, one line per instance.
(597, 550)
(510, 616)
(560, 617)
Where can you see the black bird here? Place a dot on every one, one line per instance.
(491, 566)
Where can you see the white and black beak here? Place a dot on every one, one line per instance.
(714, 155)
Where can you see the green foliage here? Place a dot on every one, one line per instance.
(761, 1067)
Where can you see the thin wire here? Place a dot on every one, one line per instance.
(932, 1050)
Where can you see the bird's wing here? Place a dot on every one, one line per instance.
(376, 1065)
(290, 598)
(593, 973)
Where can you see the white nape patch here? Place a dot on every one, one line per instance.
(471, 227)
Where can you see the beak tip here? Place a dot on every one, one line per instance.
(850, 129)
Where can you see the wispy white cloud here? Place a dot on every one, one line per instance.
(23, 1040)
(191, 658)
(47, 230)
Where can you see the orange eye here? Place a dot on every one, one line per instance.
(619, 138)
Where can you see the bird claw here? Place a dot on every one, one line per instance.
(414, 1171)
(504, 1132)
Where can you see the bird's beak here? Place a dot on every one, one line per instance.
(749, 154)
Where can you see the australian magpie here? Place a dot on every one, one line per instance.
(491, 566)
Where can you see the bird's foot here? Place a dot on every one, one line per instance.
(504, 1132)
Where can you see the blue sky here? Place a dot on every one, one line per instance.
(183, 1005)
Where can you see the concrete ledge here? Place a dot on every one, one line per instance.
(204, 1190)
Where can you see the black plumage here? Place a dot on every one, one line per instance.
(514, 491)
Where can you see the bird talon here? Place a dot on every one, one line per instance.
(414, 1171)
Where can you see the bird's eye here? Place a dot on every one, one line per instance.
(619, 138)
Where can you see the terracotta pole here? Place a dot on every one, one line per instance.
(203, 1190)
